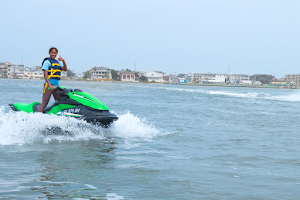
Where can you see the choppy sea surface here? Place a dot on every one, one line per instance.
(170, 142)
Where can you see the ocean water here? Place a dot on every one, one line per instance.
(170, 142)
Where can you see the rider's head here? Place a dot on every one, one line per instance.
(53, 52)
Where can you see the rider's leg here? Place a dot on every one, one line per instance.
(46, 98)
(56, 95)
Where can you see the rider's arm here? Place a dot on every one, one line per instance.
(65, 66)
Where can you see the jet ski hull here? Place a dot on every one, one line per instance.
(100, 117)
(73, 103)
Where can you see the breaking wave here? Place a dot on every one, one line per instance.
(248, 94)
(216, 92)
(19, 128)
(293, 96)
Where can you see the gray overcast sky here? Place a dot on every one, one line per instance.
(250, 36)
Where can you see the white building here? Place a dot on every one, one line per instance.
(243, 82)
(207, 77)
(33, 74)
(217, 78)
(15, 71)
(3, 69)
(239, 79)
(100, 73)
(220, 78)
(8, 70)
(155, 76)
(39, 74)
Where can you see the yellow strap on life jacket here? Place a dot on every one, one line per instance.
(52, 71)
(55, 64)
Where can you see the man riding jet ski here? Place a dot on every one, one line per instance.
(73, 103)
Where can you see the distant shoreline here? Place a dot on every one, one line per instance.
(194, 84)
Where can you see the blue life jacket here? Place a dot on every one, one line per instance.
(54, 71)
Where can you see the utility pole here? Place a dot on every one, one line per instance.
(135, 67)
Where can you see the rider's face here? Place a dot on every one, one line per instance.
(53, 54)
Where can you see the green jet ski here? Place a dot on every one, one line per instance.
(73, 103)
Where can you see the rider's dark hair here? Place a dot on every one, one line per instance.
(52, 49)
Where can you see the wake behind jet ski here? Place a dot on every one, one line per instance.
(73, 103)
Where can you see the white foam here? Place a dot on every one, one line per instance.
(113, 196)
(249, 94)
(186, 90)
(90, 186)
(214, 92)
(295, 96)
(19, 128)
(130, 126)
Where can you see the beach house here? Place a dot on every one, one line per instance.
(155, 76)
(127, 76)
(100, 73)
